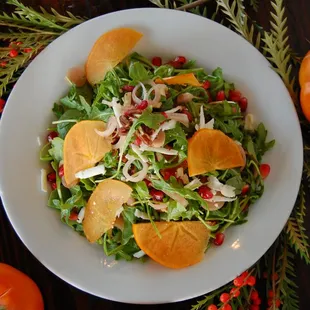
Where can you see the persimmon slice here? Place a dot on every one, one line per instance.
(210, 150)
(109, 50)
(182, 79)
(83, 148)
(182, 244)
(103, 206)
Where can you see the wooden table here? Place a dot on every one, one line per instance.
(59, 295)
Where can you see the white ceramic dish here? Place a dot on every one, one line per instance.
(71, 257)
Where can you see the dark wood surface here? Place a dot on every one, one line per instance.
(59, 295)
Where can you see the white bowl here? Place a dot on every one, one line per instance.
(28, 114)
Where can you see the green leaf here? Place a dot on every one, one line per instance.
(76, 199)
(129, 219)
(64, 127)
(176, 212)
(89, 184)
(58, 110)
(178, 136)
(85, 105)
(98, 114)
(164, 71)
(142, 190)
(237, 183)
(56, 151)
(138, 72)
(44, 153)
(110, 160)
(54, 200)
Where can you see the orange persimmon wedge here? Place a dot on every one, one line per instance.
(182, 79)
(304, 71)
(109, 50)
(182, 244)
(210, 150)
(103, 206)
(83, 148)
(305, 100)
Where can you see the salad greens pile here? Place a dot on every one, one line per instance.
(139, 109)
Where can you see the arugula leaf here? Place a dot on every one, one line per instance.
(76, 199)
(64, 127)
(54, 200)
(217, 81)
(237, 183)
(129, 219)
(142, 190)
(89, 184)
(176, 212)
(56, 151)
(110, 160)
(102, 115)
(260, 142)
(164, 71)
(178, 136)
(249, 145)
(140, 58)
(138, 72)
(230, 127)
(58, 110)
(44, 152)
(85, 105)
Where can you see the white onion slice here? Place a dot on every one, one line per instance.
(134, 93)
(161, 150)
(139, 176)
(175, 196)
(111, 126)
(141, 215)
(179, 117)
(158, 206)
(91, 172)
(176, 109)
(163, 127)
(156, 101)
(81, 215)
(138, 254)
(43, 180)
(119, 143)
(136, 149)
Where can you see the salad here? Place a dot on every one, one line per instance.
(152, 158)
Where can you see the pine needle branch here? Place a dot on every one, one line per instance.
(254, 4)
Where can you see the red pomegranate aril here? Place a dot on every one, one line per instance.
(157, 195)
(243, 104)
(148, 183)
(251, 281)
(181, 59)
(254, 295)
(167, 173)
(157, 61)
(73, 216)
(188, 114)
(51, 177)
(137, 141)
(13, 53)
(227, 307)
(206, 85)
(61, 171)
(52, 135)
(142, 105)
(175, 64)
(219, 239)
(245, 189)
(53, 186)
(264, 170)
(235, 95)
(235, 292)
(212, 307)
(128, 88)
(224, 297)
(205, 192)
(220, 96)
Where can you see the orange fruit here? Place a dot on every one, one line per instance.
(182, 244)
(305, 100)
(304, 71)
(103, 207)
(182, 79)
(210, 150)
(109, 50)
(83, 148)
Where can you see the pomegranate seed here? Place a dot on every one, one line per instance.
(27, 50)
(73, 216)
(220, 96)
(235, 95)
(167, 173)
(181, 59)
(138, 141)
(51, 177)
(61, 171)
(254, 307)
(245, 189)
(3, 64)
(224, 297)
(157, 195)
(164, 114)
(205, 192)
(148, 183)
(128, 88)
(212, 307)
(157, 61)
(235, 292)
(52, 135)
(175, 64)
(2, 104)
(243, 104)
(188, 114)
(206, 84)
(257, 301)
(219, 239)
(238, 281)
(270, 293)
(13, 53)
(142, 105)
(53, 186)
(264, 170)
(226, 307)
(254, 295)
(251, 281)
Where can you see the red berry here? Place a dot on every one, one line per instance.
(226, 307)
(142, 105)
(212, 307)
(244, 274)
(270, 293)
(264, 170)
(270, 301)
(175, 64)
(157, 61)
(2, 104)
(53, 185)
(128, 88)
(61, 171)
(205, 192)
(219, 239)
(257, 301)
(73, 216)
(224, 297)
(274, 277)
(206, 84)
(243, 104)
(234, 95)
(235, 292)
(181, 59)
(220, 96)
(3, 64)
(254, 307)
(238, 281)
(278, 303)
(254, 295)
(27, 50)
(52, 135)
(251, 281)
(51, 177)
(13, 53)
(148, 183)
(157, 195)
(245, 189)
(265, 275)
(189, 115)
